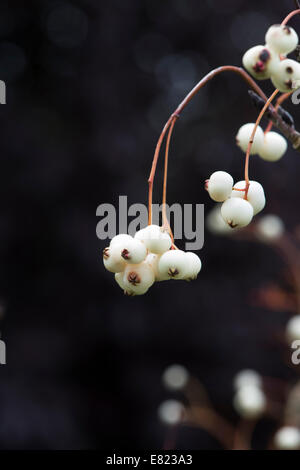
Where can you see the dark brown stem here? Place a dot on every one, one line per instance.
(289, 132)
(243, 435)
(279, 101)
(213, 424)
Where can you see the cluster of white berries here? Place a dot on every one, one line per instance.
(270, 146)
(236, 210)
(147, 257)
(249, 400)
(269, 61)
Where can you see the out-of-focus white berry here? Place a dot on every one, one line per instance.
(155, 238)
(249, 402)
(287, 438)
(113, 260)
(220, 185)
(270, 227)
(274, 147)
(173, 264)
(119, 277)
(293, 328)
(256, 195)
(133, 251)
(121, 238)
(138, 278)
(260, 61)
(193, 266)
(170, 412)
(215, 222)
(244, 134)
(246, 378)
(281, 38)
(175, 377)
(237, 212)
(286, 77)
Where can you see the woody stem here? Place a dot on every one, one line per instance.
(279, 101)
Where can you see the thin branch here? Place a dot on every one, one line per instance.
(265, 106)
(289, 16)
(212, 423)
(243, 435)
(225, 68)
(165, 221)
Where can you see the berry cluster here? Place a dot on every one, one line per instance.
(150, 255)
(270, 146)
(147, 257)
(236, 210)
(269, 61)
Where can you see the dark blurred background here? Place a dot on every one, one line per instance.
(89, 86)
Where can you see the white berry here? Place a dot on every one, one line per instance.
(256, 195)
(250, 402)
(113, 260)
(133, 251)
(138, 278)
(237, 212)
(122, 237)
(155, 238)
(170, 412)
(270, 228)
(274, 147)
(193, 266)
(247, 377)
(287, 438)
(215, 222)
(281, 38)
(173, 265)
(286, 77)
(293, 328)
(220, 185)
(244, 134)
(260, 61)
(175, 377)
